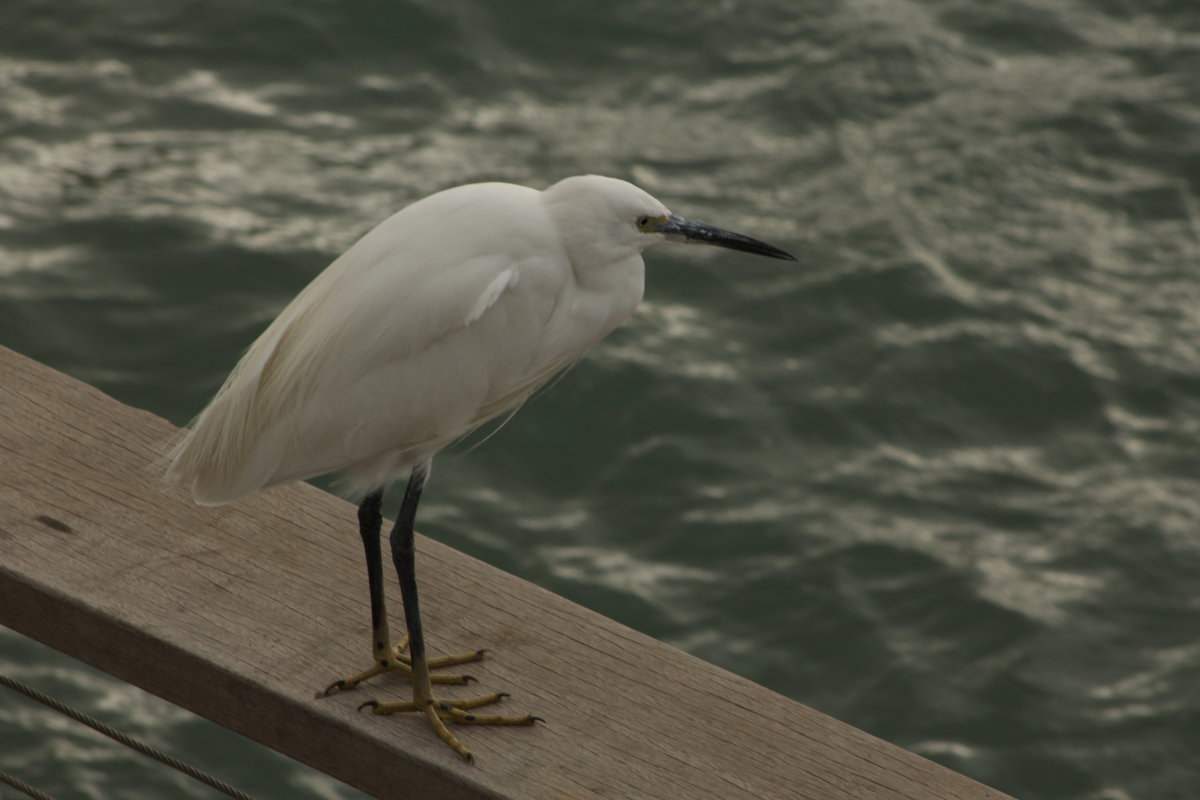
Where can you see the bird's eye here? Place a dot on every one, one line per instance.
(643, 221)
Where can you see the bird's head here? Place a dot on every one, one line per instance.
(609, 219)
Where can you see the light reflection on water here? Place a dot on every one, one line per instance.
(937, 480)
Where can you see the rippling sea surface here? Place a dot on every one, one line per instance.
(939, 479)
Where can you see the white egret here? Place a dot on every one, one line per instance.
(450, 312)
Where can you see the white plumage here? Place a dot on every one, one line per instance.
(450, 312)
(418, 334)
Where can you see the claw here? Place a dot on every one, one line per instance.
(435, 709)
(392, 660)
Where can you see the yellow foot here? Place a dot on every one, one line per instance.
(437, 711)
(394, 659)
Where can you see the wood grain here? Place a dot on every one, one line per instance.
(240, 613)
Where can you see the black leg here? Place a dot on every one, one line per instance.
(370, 523)
(389, 657)
(435, 710)
(404, 556)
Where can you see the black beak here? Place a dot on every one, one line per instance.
(678, 229)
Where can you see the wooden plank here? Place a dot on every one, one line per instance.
(240, 613)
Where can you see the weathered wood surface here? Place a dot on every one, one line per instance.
(240, 613)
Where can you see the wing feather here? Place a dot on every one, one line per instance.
(396, 345)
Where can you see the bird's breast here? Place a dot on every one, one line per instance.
(545, 322)
(602, 300)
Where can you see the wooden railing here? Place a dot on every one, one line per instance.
(240, 613)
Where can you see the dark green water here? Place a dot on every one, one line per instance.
(940, 479)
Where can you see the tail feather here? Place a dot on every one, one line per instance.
(221, 458)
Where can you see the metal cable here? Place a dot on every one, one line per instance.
(115, 735)
(23, 787)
